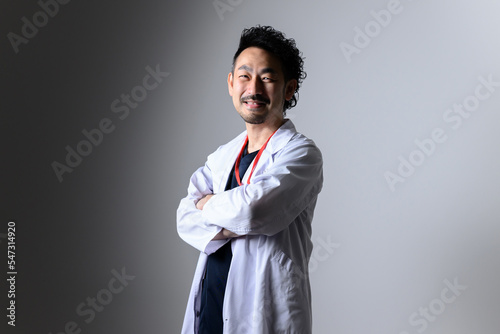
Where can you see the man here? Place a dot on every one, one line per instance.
(249, 209)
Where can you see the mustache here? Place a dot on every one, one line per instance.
(256, 97)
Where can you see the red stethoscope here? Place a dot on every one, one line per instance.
(256, 160)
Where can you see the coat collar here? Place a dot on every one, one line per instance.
(276, 143)
(278, 140)
(281, 137)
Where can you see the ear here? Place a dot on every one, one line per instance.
(290, 87)
(230, 83)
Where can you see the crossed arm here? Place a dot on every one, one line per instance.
(264, 207)
(223, 234)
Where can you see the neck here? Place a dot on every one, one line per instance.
(258, 134)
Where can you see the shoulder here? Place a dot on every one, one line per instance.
(293, 142)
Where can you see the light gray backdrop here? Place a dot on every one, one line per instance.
(402, 97)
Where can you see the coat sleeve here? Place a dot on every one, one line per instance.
(192, 227)
(275, 197)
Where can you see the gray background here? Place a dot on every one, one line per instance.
(381, 256)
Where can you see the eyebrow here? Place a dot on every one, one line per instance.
(264, 70)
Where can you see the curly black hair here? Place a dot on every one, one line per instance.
(275, 42)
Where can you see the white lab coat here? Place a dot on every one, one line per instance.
(268, 287)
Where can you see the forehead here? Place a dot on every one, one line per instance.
(256, 58)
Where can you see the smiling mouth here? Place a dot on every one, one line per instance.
(254, 104)
(255, 101)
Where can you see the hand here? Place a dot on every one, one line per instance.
(201, 203)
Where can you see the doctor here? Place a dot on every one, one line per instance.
(249, 209)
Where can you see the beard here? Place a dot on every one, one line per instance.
(253, 118)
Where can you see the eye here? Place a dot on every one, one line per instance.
(244, 76)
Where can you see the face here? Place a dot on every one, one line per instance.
(258, 87)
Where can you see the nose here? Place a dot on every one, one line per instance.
(255, 86)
